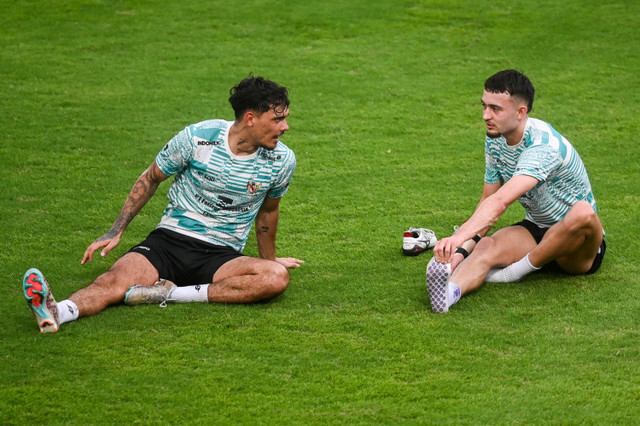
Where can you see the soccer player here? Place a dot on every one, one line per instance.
(228, 174)
(526, 160)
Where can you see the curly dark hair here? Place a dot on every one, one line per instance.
(513, 82)
(257, 94)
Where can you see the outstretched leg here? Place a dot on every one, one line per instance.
(504, 247)
(109, 288)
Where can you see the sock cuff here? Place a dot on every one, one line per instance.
(67, 311)
(193, 293)
(529, 263)
(454, 293)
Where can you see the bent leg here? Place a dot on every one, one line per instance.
(573, 242)
(109, 288)
(506, 246)
(248, 279)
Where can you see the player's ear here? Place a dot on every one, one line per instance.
(522, 111)
(249, 118)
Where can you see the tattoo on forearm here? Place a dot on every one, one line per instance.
(263, 229)
(110, 234)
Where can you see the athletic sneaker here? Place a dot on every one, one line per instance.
(418, 240)
(153, 294)
(41, 301)
(437, 285)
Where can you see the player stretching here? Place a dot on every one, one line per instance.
(227, 174)
(529, 161)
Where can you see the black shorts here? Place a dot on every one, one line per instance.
(182, 259)
(537, 232)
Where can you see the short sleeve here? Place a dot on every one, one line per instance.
(538, 161)
(281, 185)
(176, 154)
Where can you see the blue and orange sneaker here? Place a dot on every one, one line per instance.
(39, 298)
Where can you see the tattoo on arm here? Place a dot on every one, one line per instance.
(141, 192)
(155, 175)
(109, 235)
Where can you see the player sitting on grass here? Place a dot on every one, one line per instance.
(529, 161)
(227, 174)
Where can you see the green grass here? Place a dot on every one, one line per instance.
(385, 121)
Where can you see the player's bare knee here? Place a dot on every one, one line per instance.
(106, 285)
(582, 216)
(486, 251)
(485, 247)
(114, 282)
(105, 282)
(275, 279)
(279, 278)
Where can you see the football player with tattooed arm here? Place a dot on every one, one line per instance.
(527, 160)
(228, 175)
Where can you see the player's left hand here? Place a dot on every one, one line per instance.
(289, 262)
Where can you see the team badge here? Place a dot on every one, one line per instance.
(252, 187)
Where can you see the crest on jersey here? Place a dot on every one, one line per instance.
(252, 187)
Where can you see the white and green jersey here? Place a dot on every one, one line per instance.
(216, 194)
(546, 155)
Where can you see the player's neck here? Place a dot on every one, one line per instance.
(240, 140)
(514, 137)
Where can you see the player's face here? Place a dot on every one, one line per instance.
(501, 114)
(269, 126)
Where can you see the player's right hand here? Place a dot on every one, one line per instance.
(446, 248)
(289, 262)
(108, 241)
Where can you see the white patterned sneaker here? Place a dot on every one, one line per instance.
(41, 301)
(418, 240)
(437, 285)
(157, 293)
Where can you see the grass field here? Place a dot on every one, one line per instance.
(386, 125)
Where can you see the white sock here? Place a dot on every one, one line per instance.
(453, 293)
(192, 293)
(67, 311)
(512, 273)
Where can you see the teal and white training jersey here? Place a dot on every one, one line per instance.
(216, 194)
(546, 155)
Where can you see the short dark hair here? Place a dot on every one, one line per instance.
(513, 82)
(257, 94)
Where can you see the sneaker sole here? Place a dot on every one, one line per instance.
(40, 300)
(416, 250)
(437, 279)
